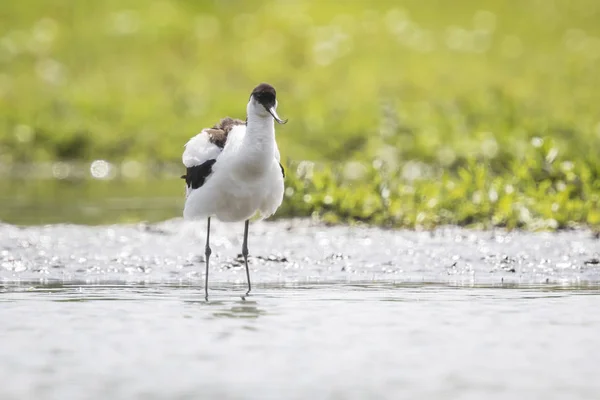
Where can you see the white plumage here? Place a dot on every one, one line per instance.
(234, 170)
(240, 183)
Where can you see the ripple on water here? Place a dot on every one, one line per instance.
(294, 251)
(350, 340)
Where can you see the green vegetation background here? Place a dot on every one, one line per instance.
(402, 113)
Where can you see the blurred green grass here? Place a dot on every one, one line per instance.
(411, 113)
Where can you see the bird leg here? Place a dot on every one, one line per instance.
(245, 254)
(207, 253)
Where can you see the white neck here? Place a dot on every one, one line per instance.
(259, 140)
(259, 127)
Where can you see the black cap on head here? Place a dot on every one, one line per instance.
(265, 94)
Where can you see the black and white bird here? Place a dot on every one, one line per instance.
(234, 170)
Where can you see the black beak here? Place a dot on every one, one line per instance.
(272, 111)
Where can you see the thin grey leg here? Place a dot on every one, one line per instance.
(245, 254)
(207, 253)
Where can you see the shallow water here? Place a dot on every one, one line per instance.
(337, 312)
(326, 341)
(26, 199)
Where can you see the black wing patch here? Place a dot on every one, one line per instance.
(196, 175)
(282, 170)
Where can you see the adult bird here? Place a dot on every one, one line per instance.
(234, 171)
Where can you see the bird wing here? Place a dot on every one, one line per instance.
(278, 158)
(202, 151)
(208, 144)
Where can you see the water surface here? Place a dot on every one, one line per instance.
(299, 341)
(337, 313)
